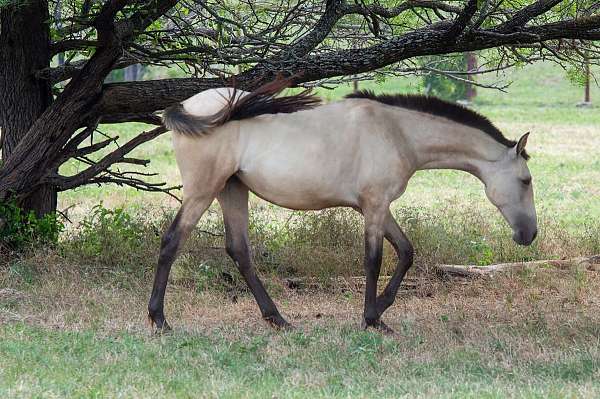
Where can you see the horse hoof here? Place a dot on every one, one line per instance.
(164, 329)
(378, 326)
(155, 329)
(279, 323)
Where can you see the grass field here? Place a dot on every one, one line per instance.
(72, 318)
(532, 334)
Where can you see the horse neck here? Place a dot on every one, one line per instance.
(448, 145)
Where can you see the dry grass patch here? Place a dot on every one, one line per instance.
(544, 295)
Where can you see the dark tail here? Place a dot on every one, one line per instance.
(175, 118)
(261, 101)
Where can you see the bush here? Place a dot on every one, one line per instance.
(123, 247)
(20, 229)
(442, 86)
(320, 244)
(112, 240)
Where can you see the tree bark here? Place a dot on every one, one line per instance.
(24, 49)
(39, 152)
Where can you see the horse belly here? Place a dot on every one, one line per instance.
(302, 162)
(297, 185)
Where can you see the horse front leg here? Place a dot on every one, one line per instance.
(405, 253)
(374, 233)
(179, 231)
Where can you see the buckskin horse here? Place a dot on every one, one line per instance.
(359, 152)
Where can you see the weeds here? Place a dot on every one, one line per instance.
(319, 245)
(112, 241)
(20, 230)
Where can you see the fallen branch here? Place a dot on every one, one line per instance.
(590, 262)
(350, 283)
(356, 283)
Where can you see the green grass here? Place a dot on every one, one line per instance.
(321, 362)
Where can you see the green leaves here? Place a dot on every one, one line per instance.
(6, 3)
(442, 86)
(19, 229)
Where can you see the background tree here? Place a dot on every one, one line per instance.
(471, 67)
(49, 112)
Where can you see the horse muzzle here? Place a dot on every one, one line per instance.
(524, 236)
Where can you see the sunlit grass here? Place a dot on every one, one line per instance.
(325, 362)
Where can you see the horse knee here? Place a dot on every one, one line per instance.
(232, 250)
(385, 300)
(171, 237)
(169, 245)
(168, 239)
(408, 254)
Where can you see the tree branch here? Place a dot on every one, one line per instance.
(67, 71)
(333, 12)
(138, 184)
(527, 14)
(71, 44)
(96, 168)
(150, 96)
(149, 118)
(462, 20)
(383, 12)
(144, 17)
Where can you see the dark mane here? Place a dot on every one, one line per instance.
(263, 100)
(439, 107)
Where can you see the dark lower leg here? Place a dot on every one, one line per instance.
(372, 265)
(168, 251)
(176, 235)
(234, 203)
(268, 309)
(404, 251)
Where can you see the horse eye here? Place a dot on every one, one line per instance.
(526, 181)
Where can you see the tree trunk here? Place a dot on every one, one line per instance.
(587, 97)
(471, 67)
(24, 49)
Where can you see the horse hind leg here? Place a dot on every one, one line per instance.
(234, 203)
(187, 217)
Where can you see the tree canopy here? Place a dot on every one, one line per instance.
(215, 43)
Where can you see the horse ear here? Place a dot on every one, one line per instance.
(520, 147)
